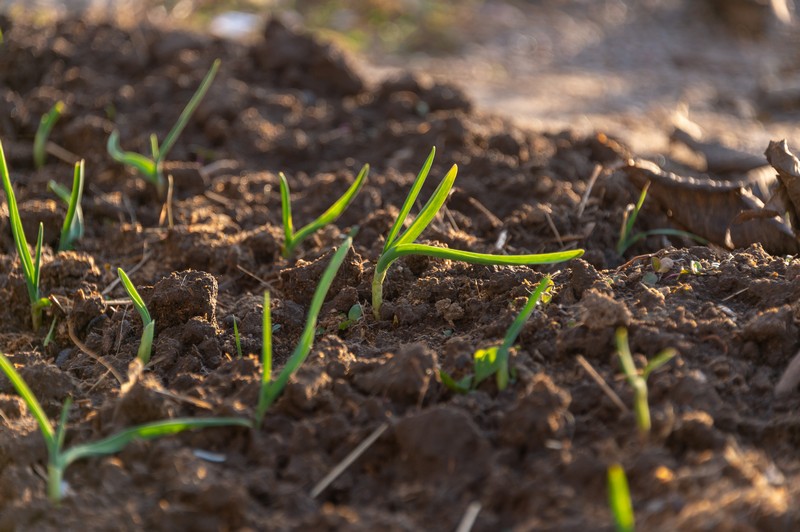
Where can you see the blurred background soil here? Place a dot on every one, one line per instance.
(631, 68)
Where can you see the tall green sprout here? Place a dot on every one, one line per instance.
(619, 499)
(73, 227)
(151, 167)
(46, 125)
(149, 324)
(292, 238)
(272, 388)
(31, 266)
(400, 244)
(59, 458)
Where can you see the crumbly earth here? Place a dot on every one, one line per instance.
(722, 452)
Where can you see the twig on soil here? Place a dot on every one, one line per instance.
(470, 515)
(348, 460)
(166, 210)
(592, 180)
(790, 378)
(61, 153)
(742, 291)
(83, 347)
(602, 383)
(553, 228)
(145, 257)
(267, 284)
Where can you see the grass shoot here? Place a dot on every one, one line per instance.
(73, 227)
(627, 237)
(400, 244)
(637, 380)
(619, 499)
(272, 388)
(59, 458)
(292, 238)
(494, 360)
(46, 124)
(151, 168)
(237, 340)
(30, 265)
(149, 324)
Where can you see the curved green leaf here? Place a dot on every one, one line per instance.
(147, 167)
(410, 199)
(429, 210)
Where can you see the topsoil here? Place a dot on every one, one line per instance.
(722, 453)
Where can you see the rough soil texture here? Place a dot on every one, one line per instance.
(722, 453)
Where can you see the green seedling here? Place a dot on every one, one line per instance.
(626, 236)
(619, 499)
(151, 168)
(494, 360)
(637, 380)
(399, 244)
(272, 388)
(237, 339)
(30, 265)
(73, 227)
(292, 238)
(355, 313)
(43, 133)
(59, 458)
(149, 324)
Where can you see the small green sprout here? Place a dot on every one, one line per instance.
(292, 239)
(43, 133)
(73, 227)
(236, 339)
(355, 313)
(59, 458)
(494, 360)
(639, 381)
(30, 265)
(149, 324)
(626, 236)
(400, 244)
(619, 499)
(151, 169)
(272, 388)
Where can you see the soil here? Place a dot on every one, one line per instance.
(722, 452)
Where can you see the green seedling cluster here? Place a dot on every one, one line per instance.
(637, 380)
(30, 265)
(494, 360)
(399, 243)
(46, 125)
(292, 238)
(272, 388)
(73, 227)
(149, 324)
(627, 237)
(619, 499)
(355, 313)
(60, 458)
(151, 167)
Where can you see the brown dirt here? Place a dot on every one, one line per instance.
(722, 452)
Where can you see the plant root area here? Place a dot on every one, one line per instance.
(722, 453)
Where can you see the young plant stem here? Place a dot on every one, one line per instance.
(148, 324)
(73, 227)
(46, 125)
(271, 389)
(619, 499)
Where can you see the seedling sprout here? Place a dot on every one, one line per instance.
(619, 499)
(236, 339)
(46, 125)
(400, 244)
(494, 360)
(59, 458)
(626, 236)
(149, 324)
(639, 381)
(30, 265)
(291, 238)
(271, 389)
(73, 227)
(151, 168)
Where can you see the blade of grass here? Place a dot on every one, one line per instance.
(429, 210)
(236, 339)
(286, 210)
(619, 499)
(73, 222)
(144, 165)
(43, 132)
(135, 297)
(271, 391)
(410, 199)
(333, 212)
